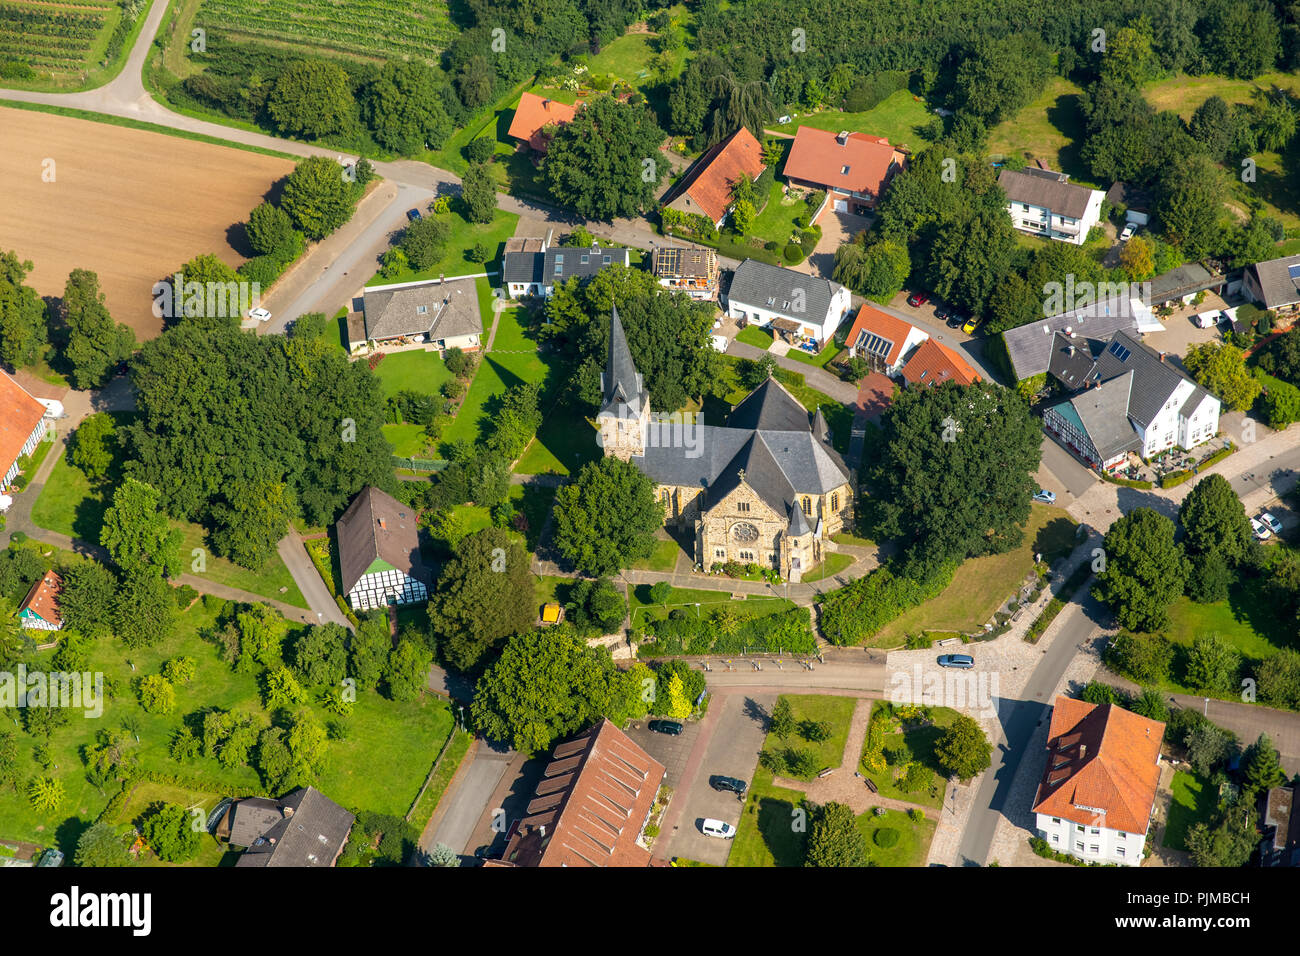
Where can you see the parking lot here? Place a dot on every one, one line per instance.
(737, 732)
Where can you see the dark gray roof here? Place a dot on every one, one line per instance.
(621, 382)
(1071, 360)
(1050, 190)
(252, 818)
(774, 289)
(798, 521)
(1185, 280)
(310, 831)
(437, 309)
(777, 463)
(1103, 412)
(770, 407)
(1154, 381)
(1279, 280)
(1030, 346)
(559, 263)
(1133, 197)
(377, 525)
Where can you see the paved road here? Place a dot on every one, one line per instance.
(309, 582)
(1020, 718)
(468, 798)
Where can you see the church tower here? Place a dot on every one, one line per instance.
(624, 416)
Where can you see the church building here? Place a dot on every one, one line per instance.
(765, 488)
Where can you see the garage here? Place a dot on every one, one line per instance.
(841, 205)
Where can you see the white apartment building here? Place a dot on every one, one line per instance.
(1043, 203)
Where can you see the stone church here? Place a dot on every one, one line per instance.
(765, 488)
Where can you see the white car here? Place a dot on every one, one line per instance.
(1127, 233)
(717, 828)
(1271, 522)
(1261, 533)
(260, 314)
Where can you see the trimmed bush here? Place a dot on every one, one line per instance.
(885, 837)
(793, 253)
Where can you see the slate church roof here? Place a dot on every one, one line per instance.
(770, 442)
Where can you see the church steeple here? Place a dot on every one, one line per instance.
(624, 415)
(620, 381)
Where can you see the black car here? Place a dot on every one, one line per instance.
(728, 784)
(955, 319)
(412, 214)
(670, 727)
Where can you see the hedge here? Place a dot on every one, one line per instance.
(788, 631)
(1057, 604)
(859, 610)
(1126, 482)
(1218, 456)
(1172, 478)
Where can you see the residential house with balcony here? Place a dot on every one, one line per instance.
(539, 269)
(22, 426)
(1127, 398)
(1275, 285)
(883, 341)
(804, 309)
(536, 119)
(706, 188)
(1044, 203)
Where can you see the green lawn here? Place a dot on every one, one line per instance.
(765, 836)
(920, 739)
(1194, 801)
(423, 372)
(1050, 128)
(389, 748)
(982, 584)
(274, 581)
(495, 375)
(687, 598)
(821, 359)
(901, 118)
(913, 844)
(664, 558)
(831, 566)
(451, 760)
(148, 792)
(463, 237)
(408, 441)
(756, 336)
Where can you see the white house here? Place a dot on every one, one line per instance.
(1098, 790)
(885, 342)
(1127, 398)
(441, 314)
(537, 267)
(803, 308)
(379, 552)
(1043, 203)
(22, 426)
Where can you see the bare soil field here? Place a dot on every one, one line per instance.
(131, 205)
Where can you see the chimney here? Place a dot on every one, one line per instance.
(1069, 350)
(546, 104)
(1162, 356)
(383, 524)
(542, 830)
(842, 137)
(287, 811)
(442, 277)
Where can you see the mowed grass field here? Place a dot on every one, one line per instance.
(131, 205)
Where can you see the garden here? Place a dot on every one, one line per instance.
(898, 752)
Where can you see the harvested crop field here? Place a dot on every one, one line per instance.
(131, 205)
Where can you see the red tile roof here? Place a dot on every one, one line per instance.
(533, 114)
(888, 327)
(934, 364)
(590, 805)
(19, 416)
(43, 599)
(1102, 766)
(861, 163)
(711, 180)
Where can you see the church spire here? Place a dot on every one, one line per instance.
(621, 382)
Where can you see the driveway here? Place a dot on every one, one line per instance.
(837, 229)
(1062, 473)
(731, 749)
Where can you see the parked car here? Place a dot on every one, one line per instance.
(1261, 533)
(941, 313)
(260, 314)
(956, 320)
(917, 299)
(728, 785)
(711, 827)
(964, 661)
(970, 325)
(1045, 496)
(672, 728)
(412, 214)
(1127, 232)
(1271, 522)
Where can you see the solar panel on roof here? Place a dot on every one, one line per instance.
(1119, 351)
(877, 345)
(1294, 271)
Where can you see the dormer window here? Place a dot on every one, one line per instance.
(421, 309)
(844, 170)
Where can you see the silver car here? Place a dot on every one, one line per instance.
(1045, 496)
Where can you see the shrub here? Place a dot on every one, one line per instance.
(480, 150)
(793, 253)
(858, 610)
(885, 837)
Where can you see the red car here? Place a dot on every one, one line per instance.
(917, 299)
